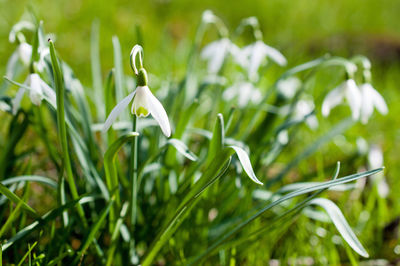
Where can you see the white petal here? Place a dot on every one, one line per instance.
(332, 99)
(140, 101)
(16, 102)
(353, 97)
(257, 56)
(35, 94)
(312, 122)
(245, 93)
(239, 55)
(49, 92)
(275, 55)
(246, 164)
(288, 87)
(25, 53)
(215, 53)
(367, 106)
(117, 110)
(375, 157)
(11, 65)
(378, 101)
(209, 50)
(230, 93)
(158, 112)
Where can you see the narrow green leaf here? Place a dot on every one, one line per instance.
(182, 149)
(246, 164)
(337, 129)
(30, 178)
(62, 132)
(60, 257)
(341, 224)
(10, 219)
(42, 221)
(217, 140)
(288, 196)
(215, 170)
(27, 253)
(119, 72)
(96, 227)
(96, 68)
(14, 198)
(111, 171)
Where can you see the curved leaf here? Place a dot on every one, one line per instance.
(182, 149)
(246, 164)
(341, 224)
(31, 178)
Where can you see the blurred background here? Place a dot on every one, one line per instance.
(301, 30)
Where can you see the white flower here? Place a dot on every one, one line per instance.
(375, 160)
(144, 103)
(288, 87)
(37, 90)
(254, 55)
(245, 92)
(370, 99)
(216, 52)
(305, 108)
(23, 54)
(349, 90)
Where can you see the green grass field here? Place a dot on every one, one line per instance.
(242, 166)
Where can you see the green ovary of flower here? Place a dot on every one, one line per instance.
(141, 111)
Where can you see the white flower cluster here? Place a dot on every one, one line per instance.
(250, 58)
(361, 99)
(22, 56)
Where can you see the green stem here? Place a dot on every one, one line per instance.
(62, 129)
(134, 175)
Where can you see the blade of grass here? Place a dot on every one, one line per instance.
(60, 257)
(339, 128)
(30, 178)
(96, 68)
(95, 229)
(217, 140)
(42, 221)
(341, 224)
(119, 72)
(288, 196)
(17, 200)
(27, 253)
(111, 171)
(213, 172)
(62, 129)
(14, 214)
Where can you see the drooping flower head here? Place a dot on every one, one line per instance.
(37, 88)
(254, 55)
(346, 90)
(144, 102)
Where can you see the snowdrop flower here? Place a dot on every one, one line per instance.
(23, 54)
(216, 52)
(305, 108)
(143, 101)
(244, 91)
(255, 54)
(37, 90)
(349, 90)
(370, 99)
(288, 87)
